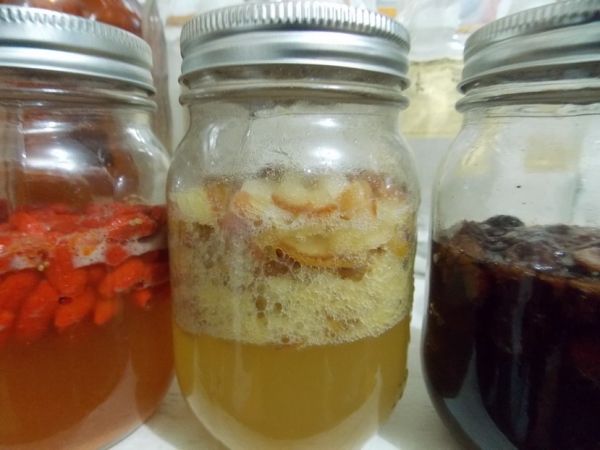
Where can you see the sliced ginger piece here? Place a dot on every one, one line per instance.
(300, 195)
(194, 204)
(253, 202)
(357, 200)
(324, 260)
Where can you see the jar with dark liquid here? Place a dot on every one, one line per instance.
(511, 347)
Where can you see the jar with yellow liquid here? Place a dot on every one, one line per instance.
(292, 204)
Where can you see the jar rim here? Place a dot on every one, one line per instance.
(314, 83)
(561, 35)
(48, 41)
(581, 91)
(304, 32)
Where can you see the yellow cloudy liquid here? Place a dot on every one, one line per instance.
(286, 397)
(292, 305)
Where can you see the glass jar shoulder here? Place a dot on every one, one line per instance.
(77, 154)
(534, 162)
(241, 139)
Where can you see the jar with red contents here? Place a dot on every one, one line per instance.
(85, 336)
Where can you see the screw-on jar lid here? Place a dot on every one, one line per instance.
(295, 32)
(38, 39)
(562, 34)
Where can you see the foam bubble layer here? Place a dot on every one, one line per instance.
(292, 262)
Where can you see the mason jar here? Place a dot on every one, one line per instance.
(85, 335)
(512, 337)
(292, 204)
(130, 15)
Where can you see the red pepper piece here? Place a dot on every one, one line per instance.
(105, 310)
(26, 222)
(57, 218)
(96, 273)
(74, 311)
(7, 319)
(131, 226)
(123, 209)
(141, 297)
(69, 281)
(128, 275)
(15, 287)
(37, 312)
(116, 254)
(92, 221)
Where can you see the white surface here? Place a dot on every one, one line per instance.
(414, 424)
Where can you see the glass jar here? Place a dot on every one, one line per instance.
(512, 337)
(85, 335)
(128, 15)
(292, 204)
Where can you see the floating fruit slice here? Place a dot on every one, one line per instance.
(302, 195)
(357, 200)
(37, 312)
(315, 246)
(313, 254)
(358, 241)
(195, 206)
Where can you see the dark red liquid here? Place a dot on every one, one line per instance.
(512, 339)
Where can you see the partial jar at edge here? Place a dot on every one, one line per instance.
(512, 336)
(292, 206)
(85, 327)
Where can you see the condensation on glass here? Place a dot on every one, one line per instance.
(292, 204)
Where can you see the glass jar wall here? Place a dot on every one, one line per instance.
(85, 336)
(292, 205)
(512, 336)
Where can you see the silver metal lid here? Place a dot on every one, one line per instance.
(561, 34)
(38, 39)
(295, 32)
